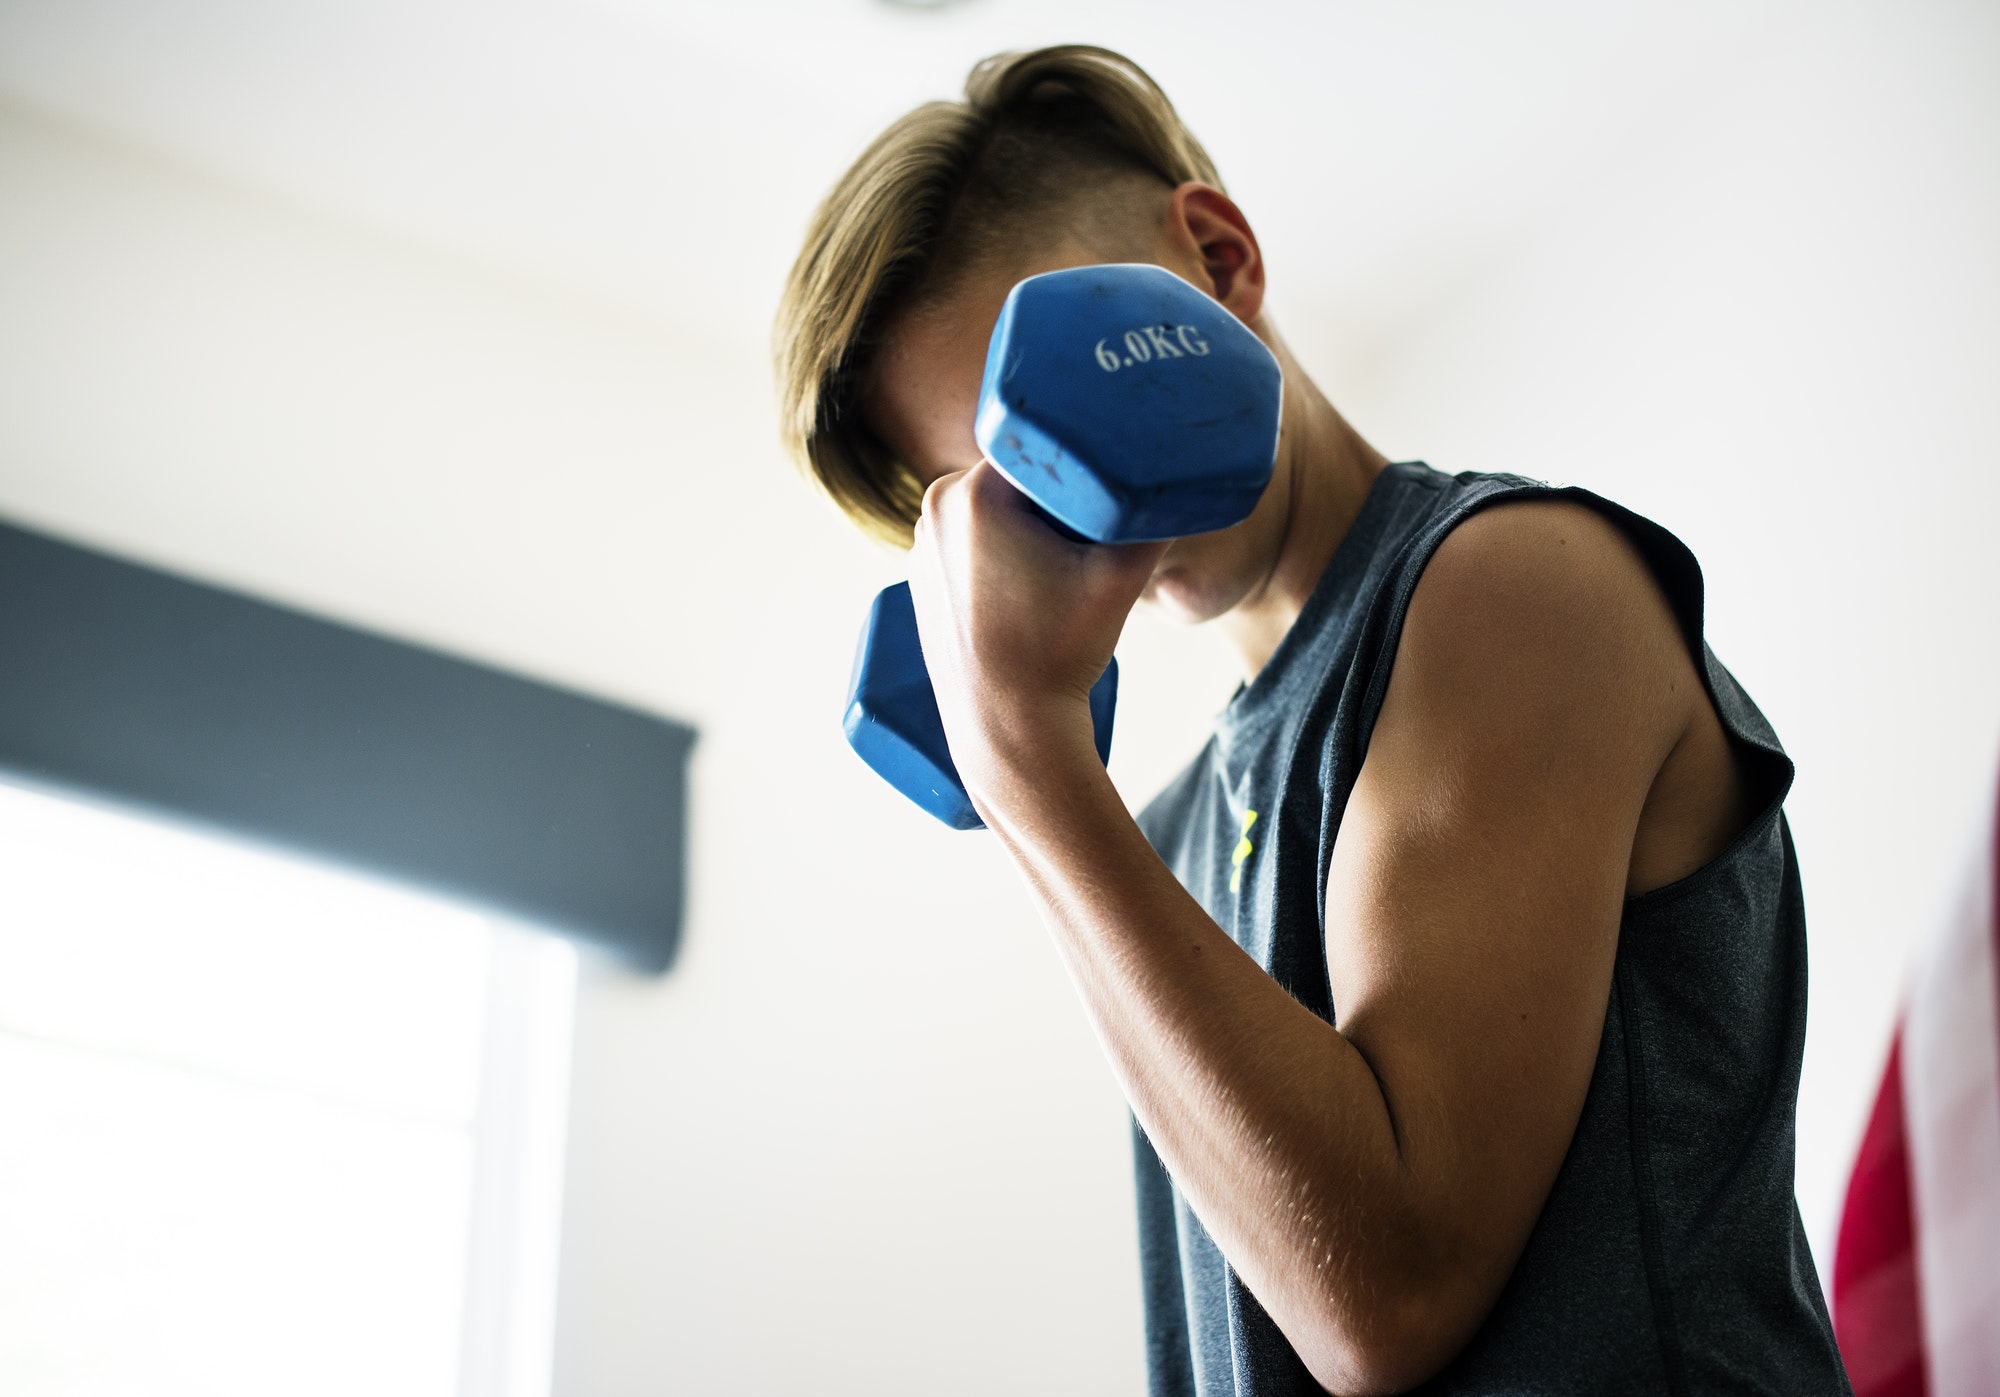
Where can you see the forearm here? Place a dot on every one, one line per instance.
(1272, 1124)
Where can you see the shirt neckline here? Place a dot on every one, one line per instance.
(1254, 704)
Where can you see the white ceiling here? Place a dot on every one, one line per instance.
(662, 156)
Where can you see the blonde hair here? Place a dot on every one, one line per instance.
(946, 189)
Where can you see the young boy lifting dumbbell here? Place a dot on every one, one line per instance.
(1458, 986)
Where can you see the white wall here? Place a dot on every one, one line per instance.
(860, 1140)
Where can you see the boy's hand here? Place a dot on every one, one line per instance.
(1017, 623)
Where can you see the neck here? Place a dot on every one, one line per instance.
(1324, 471)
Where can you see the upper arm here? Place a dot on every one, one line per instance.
(1479, 874)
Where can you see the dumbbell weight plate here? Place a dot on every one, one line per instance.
(1129, 405)
(892, 717)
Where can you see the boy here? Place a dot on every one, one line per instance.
(1458, 987)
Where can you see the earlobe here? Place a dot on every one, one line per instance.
(1212, 232)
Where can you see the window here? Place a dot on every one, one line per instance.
(266, 1126)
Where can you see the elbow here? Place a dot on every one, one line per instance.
(1390, 1345)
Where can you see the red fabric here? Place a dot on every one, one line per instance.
(1876, 1314)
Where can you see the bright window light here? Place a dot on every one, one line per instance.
(269, 1127)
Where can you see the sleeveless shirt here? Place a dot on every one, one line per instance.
(1669, 1256)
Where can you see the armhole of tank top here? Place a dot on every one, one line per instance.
(1770, 771)
(1674, 570)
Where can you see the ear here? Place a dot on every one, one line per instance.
(1211, 244)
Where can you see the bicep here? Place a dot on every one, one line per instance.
(1478, 877)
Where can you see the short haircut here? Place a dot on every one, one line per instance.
(953, 187)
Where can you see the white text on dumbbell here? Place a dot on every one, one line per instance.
(1150, 342)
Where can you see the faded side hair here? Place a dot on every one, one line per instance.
(951, 187)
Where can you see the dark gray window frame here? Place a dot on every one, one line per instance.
(129, 683)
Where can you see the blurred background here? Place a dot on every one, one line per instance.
(450, 321)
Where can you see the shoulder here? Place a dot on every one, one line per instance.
(1550, 552)
(1547, 580)
(1541, 615)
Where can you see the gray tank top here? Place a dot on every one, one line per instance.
(1669, 1257)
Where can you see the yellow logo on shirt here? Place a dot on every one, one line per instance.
(1242, 852)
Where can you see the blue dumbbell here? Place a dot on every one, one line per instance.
(1130, 408)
